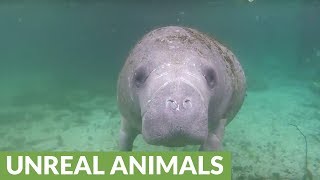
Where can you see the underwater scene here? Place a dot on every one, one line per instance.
(60, 62)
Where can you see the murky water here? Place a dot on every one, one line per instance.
(59, 64)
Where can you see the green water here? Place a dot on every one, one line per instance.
(59, 63)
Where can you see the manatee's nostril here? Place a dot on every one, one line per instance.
(187, 103)
(172, 104)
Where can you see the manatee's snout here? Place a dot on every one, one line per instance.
(176, 115)
(178, 104)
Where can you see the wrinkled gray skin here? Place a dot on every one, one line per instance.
(179, 87)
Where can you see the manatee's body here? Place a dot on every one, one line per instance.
(178, 87)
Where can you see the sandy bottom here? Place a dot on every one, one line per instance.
(263, 144)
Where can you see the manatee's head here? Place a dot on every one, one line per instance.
(173, 85)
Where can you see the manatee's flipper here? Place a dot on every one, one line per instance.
(127, 136)
(214, 138)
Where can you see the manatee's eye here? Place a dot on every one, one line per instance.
(140, 76)
(210, 76)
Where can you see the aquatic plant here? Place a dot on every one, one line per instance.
(307, 174)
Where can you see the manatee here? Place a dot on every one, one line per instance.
(179, 87)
